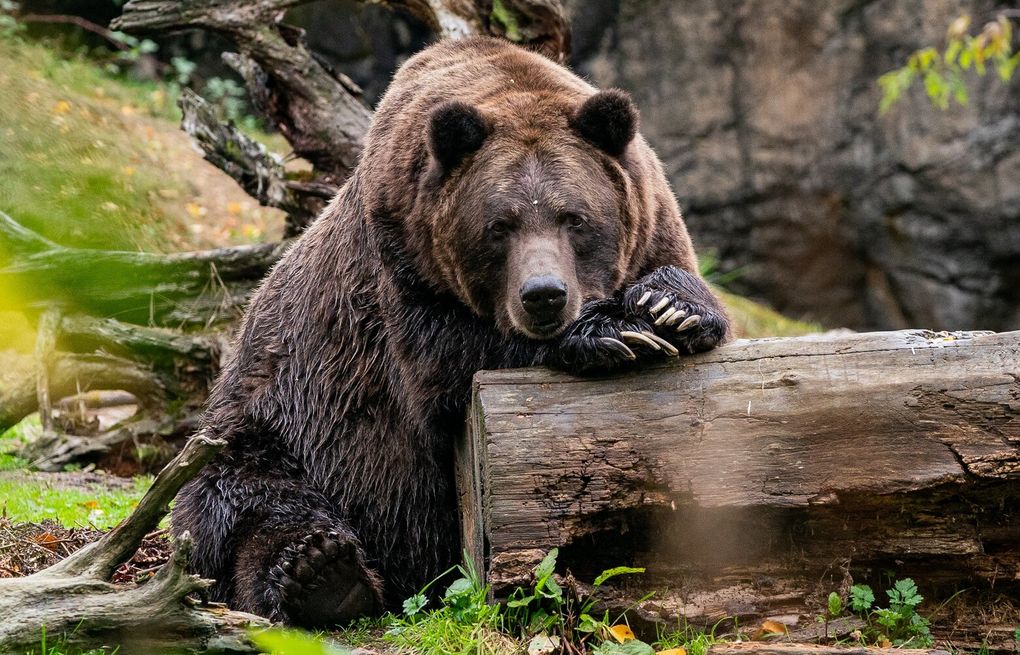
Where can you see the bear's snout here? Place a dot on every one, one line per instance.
(544, 297)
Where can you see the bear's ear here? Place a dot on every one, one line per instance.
(456, 129)
(608, 120)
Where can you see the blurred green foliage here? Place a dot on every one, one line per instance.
(942, 71)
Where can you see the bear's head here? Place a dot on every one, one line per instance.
(531, 206)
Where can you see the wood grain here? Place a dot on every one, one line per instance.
(754, 479)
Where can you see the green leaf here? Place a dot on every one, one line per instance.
(553, 590)
(632, 647)
(293, 642)
(835, 604)
(520, 602)
(907, 590)
(547, 565)
(861, 597)
(414, 604)
(458, 587)
(615, 571)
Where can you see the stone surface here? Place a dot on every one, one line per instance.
(765, 115)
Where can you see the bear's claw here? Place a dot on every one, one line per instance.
(653, 341)
(322, 582)
(618, 346)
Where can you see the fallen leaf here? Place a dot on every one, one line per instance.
(622, 632)
(543, 645)
(672, 651)
(769, 628)
(60, 108)
(47, 541)
(195, 210)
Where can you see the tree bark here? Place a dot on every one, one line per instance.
(260, 173)
(73, 600)
(753, 480)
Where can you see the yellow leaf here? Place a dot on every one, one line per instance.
(195, 210)
(622, 633)
(60, 108)
(672, 651)
(769, 628)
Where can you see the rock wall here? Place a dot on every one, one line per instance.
(765, 115)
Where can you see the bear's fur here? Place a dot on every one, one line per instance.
(488, 170)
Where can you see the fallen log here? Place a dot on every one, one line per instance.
(753, 480)
(75, 603)
(190, 288)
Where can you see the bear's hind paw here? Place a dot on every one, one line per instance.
(322, 581)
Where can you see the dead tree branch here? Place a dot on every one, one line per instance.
(75, 601)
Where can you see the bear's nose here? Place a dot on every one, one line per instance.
(544, 296)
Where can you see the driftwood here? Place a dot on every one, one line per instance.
(74, 601)
(754, 479)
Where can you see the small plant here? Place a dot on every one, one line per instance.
(833, 609)
(899, 624)
(942, 72)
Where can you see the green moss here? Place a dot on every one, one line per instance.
(505, 18)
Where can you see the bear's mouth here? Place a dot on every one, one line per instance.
(540, 331)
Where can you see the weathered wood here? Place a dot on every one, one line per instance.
(260, 173)
(766, 648)
(75, 601)
(754, 479)
(192, 288)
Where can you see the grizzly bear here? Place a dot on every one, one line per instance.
(505, 213)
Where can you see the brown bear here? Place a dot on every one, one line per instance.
(505, 213)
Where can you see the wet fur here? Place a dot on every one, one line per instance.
(353, 364)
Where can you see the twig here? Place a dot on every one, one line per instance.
(78, 21)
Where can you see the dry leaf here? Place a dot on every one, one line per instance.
(47, 541)
(769, 628)
(622, 632)
(672, 651)
(543, 645)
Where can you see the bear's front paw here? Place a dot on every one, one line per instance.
(690, 326)
(323, 583)
(603, 339)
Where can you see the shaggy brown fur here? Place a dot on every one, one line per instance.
(505, 213)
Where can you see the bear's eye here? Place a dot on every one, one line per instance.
(573, 220)
(498, 228)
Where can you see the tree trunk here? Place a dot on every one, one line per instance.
(753, 480)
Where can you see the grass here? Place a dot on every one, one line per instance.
(32, 500)
(752, 320)
(69, 172)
